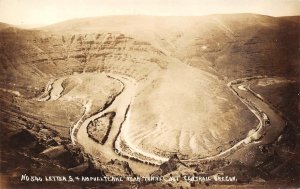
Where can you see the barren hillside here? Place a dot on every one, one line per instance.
(164, 78)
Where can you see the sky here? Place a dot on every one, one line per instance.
(46, 12)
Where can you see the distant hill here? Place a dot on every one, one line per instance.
(232, 45)
(181, 103)
(4, 25)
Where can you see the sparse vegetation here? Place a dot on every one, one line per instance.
(179, 104)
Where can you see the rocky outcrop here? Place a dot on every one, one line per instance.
(171, 165)
(226, 46)
(55, 152)
(80, 169)
(22, 138)
(121, 168)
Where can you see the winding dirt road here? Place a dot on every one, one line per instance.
(107, 150)
(263, 134)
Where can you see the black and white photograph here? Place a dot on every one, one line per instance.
(149, 94)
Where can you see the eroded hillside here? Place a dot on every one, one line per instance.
(165, 80)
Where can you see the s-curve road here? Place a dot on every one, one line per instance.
(119, 105)
(262, 134)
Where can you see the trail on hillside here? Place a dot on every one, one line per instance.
(139, 158)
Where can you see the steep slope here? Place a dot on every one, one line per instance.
(234, 46)
(180, 66)
(245, 45)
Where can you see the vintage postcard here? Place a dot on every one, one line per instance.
(149, 94)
